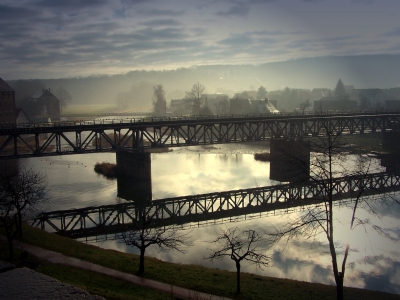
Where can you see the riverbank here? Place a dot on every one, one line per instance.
(198, 278)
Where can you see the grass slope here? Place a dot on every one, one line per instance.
(194, 277)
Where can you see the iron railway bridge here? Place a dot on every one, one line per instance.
(198, 210)
(137, 135)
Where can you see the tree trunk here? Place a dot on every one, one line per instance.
(237, 277)
(339, 286)
(18, 222)
(141, 261)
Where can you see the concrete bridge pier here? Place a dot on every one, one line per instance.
(391, 144)
(134, 176)
(289, 160)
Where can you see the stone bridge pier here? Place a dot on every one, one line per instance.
(134, 176)
(289, 160)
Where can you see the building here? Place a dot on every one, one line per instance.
(217, 103)
(21, 117)
(180, 107)
(247, 106)
(375, 98)
(7, 104)
(43, 106)
(332, 104)
(319, 93)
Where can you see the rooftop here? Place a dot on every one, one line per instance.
(4, 86)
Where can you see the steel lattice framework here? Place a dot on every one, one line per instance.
(76, 138)
(91, 221)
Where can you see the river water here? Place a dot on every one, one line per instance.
(374, 259)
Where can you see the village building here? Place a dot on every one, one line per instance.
(217, 103)
(248, 106)
(375, 98)
(318, 93)
(180, 107)
(331, 104)
(21, 117)
(7, 104)
(43, 106)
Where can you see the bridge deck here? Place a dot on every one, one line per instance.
(107, 219)
(101, 136)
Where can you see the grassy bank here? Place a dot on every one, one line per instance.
(194, 277)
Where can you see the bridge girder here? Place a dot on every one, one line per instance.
(59, 140)
(198, 208)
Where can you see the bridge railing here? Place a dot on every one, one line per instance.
(152, 119)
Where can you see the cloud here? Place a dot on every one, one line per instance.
(363, 1)
(161, 22)
(151, 12)
(394, 32)
(384, 276)
(241, 40)
(240, 9)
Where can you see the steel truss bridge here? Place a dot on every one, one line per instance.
(202, 209)
(87, 137)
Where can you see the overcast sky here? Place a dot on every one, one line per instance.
(68, 38)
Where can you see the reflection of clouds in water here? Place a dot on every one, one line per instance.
(307, 260)
(183, 174)
(385, 274)
(296, 268)
(188, 174)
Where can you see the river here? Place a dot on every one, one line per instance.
(374, 259)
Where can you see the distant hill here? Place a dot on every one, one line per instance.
(364, 71)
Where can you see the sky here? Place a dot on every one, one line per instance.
(58, 39)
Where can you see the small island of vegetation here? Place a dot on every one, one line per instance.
(264, 156)
(106, 169)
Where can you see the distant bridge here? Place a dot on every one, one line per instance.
(202, 209)
(110, 135)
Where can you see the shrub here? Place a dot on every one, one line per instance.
(108, 170)
(265, 156)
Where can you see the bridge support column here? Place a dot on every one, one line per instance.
(289, 160)
(134, 176)
(391, 160)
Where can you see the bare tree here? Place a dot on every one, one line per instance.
(240, 245)
(304, 105)
(20, 193)
(330, 160)
(143, 233)
(159, 102)
(195, 95)
(64, 96)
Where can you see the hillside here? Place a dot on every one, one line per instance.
(365, 71)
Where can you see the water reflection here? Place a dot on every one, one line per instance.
(373, 262)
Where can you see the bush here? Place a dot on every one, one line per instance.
(265, 156)
(108, 170)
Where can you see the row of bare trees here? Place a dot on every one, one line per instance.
(194, 96)
(238, 244)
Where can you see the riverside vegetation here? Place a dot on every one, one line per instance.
(198, 278)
